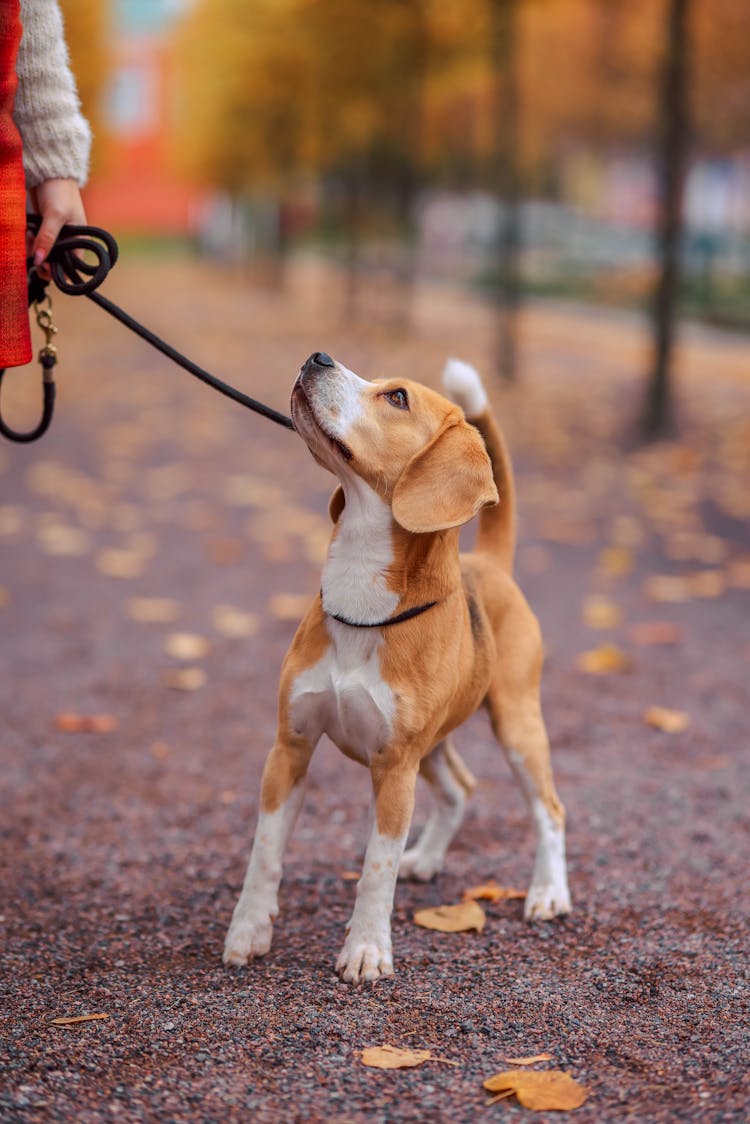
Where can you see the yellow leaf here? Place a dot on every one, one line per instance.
(185, 678)
(491, 892)
(615, 561)
(548, 1089)
(459, 918)
(530, 1059)
(186, 646)
(393, 1057)
(153, 610)
(234, 622)
(603, 660)
(600, 612)
(670, 721)
(73, 1020)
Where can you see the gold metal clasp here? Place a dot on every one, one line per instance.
(43, 310)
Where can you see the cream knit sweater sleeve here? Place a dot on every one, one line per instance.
(56, 136)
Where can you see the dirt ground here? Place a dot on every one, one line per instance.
(123, 850)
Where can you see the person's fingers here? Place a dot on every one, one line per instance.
(59, 202)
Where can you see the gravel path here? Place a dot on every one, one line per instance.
(123, 850)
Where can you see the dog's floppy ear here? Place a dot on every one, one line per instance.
(446, 483)
(336, 504)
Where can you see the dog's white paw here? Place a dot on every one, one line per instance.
(363, 960)
(546, 900)
(248, 937)
(419, 865)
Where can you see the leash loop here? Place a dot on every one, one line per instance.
(47, 360)
(77, 275)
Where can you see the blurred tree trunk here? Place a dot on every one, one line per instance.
(674, 141)
(504, 48)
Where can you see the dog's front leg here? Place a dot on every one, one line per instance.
(367, 953)
(282, 790)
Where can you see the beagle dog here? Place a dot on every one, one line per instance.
(407, 639)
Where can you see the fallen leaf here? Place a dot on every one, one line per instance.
(547, 1089)
(530, 1059)
(153, 610)
(392, 1057)
(603, 660)
(117, 562)
(667, 587)
(707, 584)
(234, 622)
(289, 606)
(62, 541)
(491, 892)
(73, 1020)
(350, 875)
(738, 574)
(185, 678)
(186, 645)
(615, 561)
(70, 723)
(160, 750)
(11, 519)
(670, 721)
(600, 612)
(459, 918)
(648, 634)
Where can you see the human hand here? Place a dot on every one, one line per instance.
(58, 201)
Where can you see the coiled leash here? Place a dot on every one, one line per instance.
(79, 277)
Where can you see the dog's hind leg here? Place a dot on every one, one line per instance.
(282, 791)
(451, 783)
(520, 727)
(516, 715)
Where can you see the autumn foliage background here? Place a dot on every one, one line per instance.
(524, 147)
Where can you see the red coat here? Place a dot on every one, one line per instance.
(15, 340)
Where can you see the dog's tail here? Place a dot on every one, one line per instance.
(497, 525)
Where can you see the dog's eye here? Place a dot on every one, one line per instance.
(398, 398)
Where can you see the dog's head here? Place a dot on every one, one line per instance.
(405, 441)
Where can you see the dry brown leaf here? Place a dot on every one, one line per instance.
(530, 1059)
(185, 645)
(544, 1090)
(459, 918)
(289, 606)
(70, 723)
(649, 634)
(603, 660)
(393, 1057)
(491, 892)
(185, 678)
(73, 1020)
(153, 610)
(670, 721)
(234, 622)
(600, 612)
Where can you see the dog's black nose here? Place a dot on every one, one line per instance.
(319, 359)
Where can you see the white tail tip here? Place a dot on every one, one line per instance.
(464, 387)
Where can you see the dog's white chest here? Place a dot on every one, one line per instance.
(345, 696)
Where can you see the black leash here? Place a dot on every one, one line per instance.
(76, 276)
